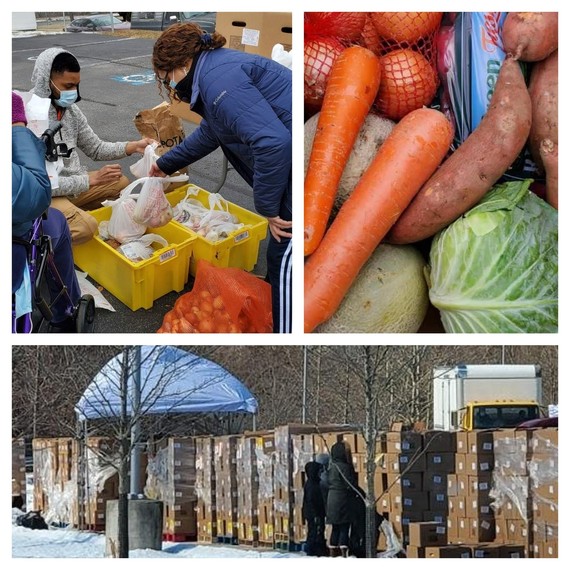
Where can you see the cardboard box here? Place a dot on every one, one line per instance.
(457, 506)
(462, 442)
(408, 462)
(436, 441)
(482, 529)
(518, 531)
(256, 32)
(501, 535)
(438, 501)
(439, 517)
(447, 552)
(461, 463)
(475, 464)
(403, 441)
(410, 481)
(513, 465)
(435, 482)
(462, 484)
(441, 462)
(475, 508)
(487, 551)
(545, 441)
(480, 441)
(415, 551)
(512, 551)
(480, 485)
(545, 511)
(452, 485)
(412, 501)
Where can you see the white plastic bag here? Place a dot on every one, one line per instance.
(152, 208)
(142, 167)
(121, 226)
(213, 223)
(280, 55)
(141, 249)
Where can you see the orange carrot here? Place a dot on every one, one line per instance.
(408, 157)
(351, 90)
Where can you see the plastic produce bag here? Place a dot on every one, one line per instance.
(152, 208)
(121, 226)
(142, 167)
(213, 223)
(141, 249)
(223, 300)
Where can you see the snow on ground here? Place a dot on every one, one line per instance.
(66, 543)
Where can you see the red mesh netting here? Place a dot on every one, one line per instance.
(222, 300)
(403, 40)
(408, 56)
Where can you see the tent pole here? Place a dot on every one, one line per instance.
(135, 429)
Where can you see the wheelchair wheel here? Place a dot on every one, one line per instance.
(85, 314)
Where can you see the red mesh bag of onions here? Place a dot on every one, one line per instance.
(326, 35)
(404, 41)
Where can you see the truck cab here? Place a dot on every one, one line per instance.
(494, 415)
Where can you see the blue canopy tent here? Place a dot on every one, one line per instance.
(160, 380)
(171, 381)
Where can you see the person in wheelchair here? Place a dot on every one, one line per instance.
(31, 195)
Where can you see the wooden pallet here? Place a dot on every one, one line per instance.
(178, 537)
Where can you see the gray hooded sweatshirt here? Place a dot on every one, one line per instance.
(75, 133)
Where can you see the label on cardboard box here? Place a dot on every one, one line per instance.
(250, 37)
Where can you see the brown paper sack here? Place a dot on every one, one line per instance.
(161, 125)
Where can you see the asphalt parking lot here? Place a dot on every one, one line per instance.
(116, 83)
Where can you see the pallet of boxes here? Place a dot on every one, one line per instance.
(479, 494)
(171, 478)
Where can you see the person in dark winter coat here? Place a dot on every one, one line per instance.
(357, 538)
(324, 460)
(313, 511)
(245, 102)
(342, 481)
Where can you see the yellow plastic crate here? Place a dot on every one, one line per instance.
(138, 285)
(240, 249)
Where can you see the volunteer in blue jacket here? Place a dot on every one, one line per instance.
(245, 102)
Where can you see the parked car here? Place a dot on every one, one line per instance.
(97, 23)
(161, 20)
(539, 422)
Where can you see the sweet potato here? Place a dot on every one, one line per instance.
(530, 36)
(543, 89)
(469, 173)
(549, 155)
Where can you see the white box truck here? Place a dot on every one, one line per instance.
(481, 396)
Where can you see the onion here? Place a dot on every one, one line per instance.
(320, 56)
(408, 82)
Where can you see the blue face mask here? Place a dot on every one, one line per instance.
(66, 98)
(173, 83)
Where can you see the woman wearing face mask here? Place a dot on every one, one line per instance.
(245, 103)
(56, 76)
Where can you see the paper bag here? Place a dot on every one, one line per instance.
(161, 125)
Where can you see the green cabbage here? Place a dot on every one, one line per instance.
(495, 269)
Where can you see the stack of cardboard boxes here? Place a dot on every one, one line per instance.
(19, 469)
(226, 487)
(265, 457)
(247, 480)
(100, 486)
(180, 493)
(206, 489)
(543, 467)
(472, 519)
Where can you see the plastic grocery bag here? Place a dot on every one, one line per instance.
(142, 167)
(140, 249)
(213, 223)
(282, 56)
(222, 300)
(121, 226)
(152, 208)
